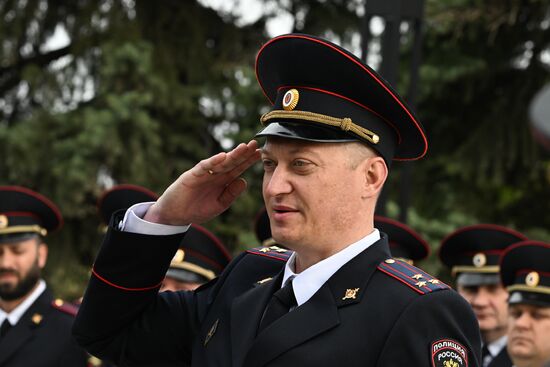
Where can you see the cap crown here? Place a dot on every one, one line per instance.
(24, 211)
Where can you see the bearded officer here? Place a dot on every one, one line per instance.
(35, 328)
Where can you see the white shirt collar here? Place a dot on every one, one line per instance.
(496, 346)
(18, 312)
(306, 283)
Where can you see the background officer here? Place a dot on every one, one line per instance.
(525, 272)
(473, 253)
(200, 258)
(405, 243)
(35, 329)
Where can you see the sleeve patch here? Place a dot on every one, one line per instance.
(273, 252)
(413, 277)
(448, 353)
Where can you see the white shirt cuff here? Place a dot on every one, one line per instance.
(134, 223)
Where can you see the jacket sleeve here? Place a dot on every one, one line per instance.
(123, 318)
(437, 329)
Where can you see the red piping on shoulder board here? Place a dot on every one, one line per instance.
(280, 257)
(124, 288)
(401, 280)
(66, 307)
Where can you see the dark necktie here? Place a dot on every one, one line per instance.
(6, 326)
(281, 302)
(486, 356)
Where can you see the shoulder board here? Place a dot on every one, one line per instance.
(273, 252)
(66, 307)
(415, 278)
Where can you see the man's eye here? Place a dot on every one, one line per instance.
(300, 163)
(268, 163)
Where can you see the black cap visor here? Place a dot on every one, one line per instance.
(305, 131)
(187, 276)
(476, 279)
(530, 298)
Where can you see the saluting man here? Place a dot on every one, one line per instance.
(473, 254)
(525, 272)
(35, 329)
(337, 299)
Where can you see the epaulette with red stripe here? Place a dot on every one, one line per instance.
(66, 307)
(413, 277)
(274, 252)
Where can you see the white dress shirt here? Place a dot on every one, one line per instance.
(308, 282)
(494, 349)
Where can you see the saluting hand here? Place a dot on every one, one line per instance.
(207, 189)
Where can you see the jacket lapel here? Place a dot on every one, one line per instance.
(24, 330)
(246, 312)
(320, 313)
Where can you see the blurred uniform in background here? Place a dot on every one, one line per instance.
(473, 253)
(405, 243)
(35, 328)
(525, 272)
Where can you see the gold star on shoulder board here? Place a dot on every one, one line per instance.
(264, 249)
(420, 284)
(417, 276)
(434, 281)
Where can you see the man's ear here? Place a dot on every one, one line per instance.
(42, 254)
(376, 172)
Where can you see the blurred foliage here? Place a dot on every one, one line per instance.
(142, 90)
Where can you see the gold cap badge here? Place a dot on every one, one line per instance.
(479, 260)
(3, 221)
(290, 99)
(532, 279)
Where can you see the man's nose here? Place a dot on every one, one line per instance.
(277, 182)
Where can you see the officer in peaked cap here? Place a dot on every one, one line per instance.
(473, 253)
(35, 328)
(405, 243)
(200, 258)
(525, 272)
(334, 127)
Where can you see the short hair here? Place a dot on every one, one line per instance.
(358, 152)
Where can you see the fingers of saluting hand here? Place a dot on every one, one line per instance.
(232, 164)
